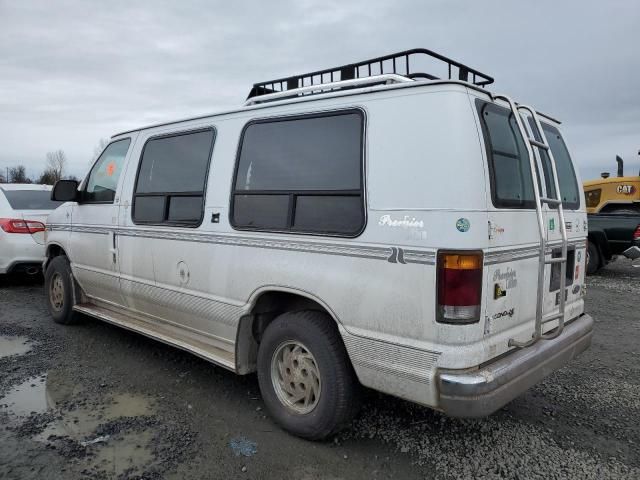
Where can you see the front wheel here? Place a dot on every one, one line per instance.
(306, 379)
(59, 285)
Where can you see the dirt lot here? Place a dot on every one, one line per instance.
(95, 401)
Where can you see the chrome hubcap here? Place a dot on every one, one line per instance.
(295, 377)
(56, 292)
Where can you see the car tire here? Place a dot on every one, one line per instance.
(59, 288)
(301, 354)
(593, 258)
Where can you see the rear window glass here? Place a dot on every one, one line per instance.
(564, 167)
(30, 199)
(510, 173)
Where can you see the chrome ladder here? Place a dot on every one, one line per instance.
(530, 144)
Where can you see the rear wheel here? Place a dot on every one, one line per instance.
(593, 258)
(59, 285)
(306, 379)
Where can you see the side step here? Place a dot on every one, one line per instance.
(160, 332)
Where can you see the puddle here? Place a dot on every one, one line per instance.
(243, 446)
(27, 398)
(13, 346)
(130, 451)
(127, 449)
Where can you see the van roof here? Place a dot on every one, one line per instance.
(383, 74)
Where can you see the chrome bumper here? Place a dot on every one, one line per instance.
(478, 393)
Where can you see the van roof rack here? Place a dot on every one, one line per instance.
(407, 63)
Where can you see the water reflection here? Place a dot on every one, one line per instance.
(10, 345)
(76, 414)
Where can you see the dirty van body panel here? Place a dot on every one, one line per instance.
(425, 188)
(512, 260)
(93, 248)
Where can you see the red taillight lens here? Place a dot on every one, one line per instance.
(16, 225)
(636, 234)
(459, 287)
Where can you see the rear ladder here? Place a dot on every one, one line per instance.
(530, 144)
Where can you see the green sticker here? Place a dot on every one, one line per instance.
(463, 225)
(552, 224)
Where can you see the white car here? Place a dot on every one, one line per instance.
(23, 213)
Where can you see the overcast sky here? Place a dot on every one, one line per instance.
(73, 72)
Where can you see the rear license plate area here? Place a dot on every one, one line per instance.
(554, 283)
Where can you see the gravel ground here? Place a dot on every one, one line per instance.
(95, 401)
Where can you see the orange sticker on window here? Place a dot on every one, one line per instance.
(111, 168)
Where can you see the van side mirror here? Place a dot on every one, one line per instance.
(65, 191)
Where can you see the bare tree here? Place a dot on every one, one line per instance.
(2, 179)
(99, 148)
(56, 162)
(48, 177)
(18, 175)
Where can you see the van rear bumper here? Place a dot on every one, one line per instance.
(478, 393)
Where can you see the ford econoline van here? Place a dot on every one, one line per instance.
(373, 224)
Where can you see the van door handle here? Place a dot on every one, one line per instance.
(112, 248)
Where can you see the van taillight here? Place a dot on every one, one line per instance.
(459, 287)
(636, 234)
(16, 225)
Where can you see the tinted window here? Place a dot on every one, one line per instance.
(175, 164)
(171, 179)
(321, 153)
(301, 174)
(510, 173)
(592, 197)
(566, 175)
(330, 214)
(103, 178)
(30, 199)
(262, 211)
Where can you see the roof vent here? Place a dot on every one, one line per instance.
(409, 63)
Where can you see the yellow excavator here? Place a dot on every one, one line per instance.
(613, 208)
(613, 194)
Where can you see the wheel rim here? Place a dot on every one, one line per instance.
(295, 377)
(56, 292)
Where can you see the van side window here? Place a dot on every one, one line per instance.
(171, 179)
(301, 174)
(103, 178)
(564, 166)
(510, 173)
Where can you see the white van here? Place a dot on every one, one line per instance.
(368, 225)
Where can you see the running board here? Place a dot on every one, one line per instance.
(208, 352)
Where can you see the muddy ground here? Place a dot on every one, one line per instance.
(96, 401)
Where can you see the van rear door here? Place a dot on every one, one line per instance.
(575, 222)
(512, 260)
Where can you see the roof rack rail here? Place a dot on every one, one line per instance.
(400, 63)
(387, 78)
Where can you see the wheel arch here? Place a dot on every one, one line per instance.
(54, 249)
(265, 304)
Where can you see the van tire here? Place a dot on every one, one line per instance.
(593, 258)
(338, 398)
(59, 290)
